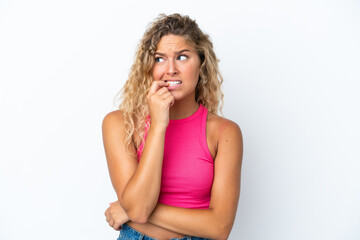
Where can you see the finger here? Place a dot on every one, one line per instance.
(161, 91)
(168, 97)
(111, 223)
(171, 103)
(156, 85)
(117, 226)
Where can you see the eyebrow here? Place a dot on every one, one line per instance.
(181, 51)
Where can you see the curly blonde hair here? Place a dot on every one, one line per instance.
(133, 95)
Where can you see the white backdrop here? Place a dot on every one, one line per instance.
(291, 71)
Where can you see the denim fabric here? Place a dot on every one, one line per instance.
(128, 233)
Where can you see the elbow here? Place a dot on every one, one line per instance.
(136, 213)
(222, 235)
(137, 216)
(223, 230)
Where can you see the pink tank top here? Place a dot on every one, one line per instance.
(188, 168)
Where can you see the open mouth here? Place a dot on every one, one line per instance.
(173, 82)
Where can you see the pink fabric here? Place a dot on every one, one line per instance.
(188, 168)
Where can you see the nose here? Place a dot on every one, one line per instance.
(172, 69)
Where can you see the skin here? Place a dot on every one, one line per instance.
(177, 59)
(135, 182)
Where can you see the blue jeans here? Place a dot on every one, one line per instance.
(128, 233)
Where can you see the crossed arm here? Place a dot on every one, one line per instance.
(131, 180)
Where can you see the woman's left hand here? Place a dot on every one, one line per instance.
(116, 216)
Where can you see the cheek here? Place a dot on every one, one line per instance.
(190, 71)
(156, 73)
(195, 73)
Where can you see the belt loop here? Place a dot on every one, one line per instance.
(141, 236)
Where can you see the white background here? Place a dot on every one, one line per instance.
(291, 71)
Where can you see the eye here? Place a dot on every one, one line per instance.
(159, 59)
(182, 57)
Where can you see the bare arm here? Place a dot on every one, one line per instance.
(133, 181)
(217, 221)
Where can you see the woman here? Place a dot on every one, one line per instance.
(173, 162)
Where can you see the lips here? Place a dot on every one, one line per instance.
(173, 82)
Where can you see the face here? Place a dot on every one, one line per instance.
(177, 62)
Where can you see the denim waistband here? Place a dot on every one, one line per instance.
(129, 233)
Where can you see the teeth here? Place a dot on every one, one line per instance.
(174, 83)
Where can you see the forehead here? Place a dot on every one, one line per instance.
(173, 43)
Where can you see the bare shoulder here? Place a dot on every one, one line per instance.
(222, 134)
(116, 115)
(221, 128)
(115, 137)
(114, 119)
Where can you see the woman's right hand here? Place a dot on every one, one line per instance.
(159, 100)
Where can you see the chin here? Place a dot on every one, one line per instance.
(177, 98)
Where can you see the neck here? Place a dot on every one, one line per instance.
(183, 109)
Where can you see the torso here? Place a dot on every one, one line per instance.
(212, 136)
